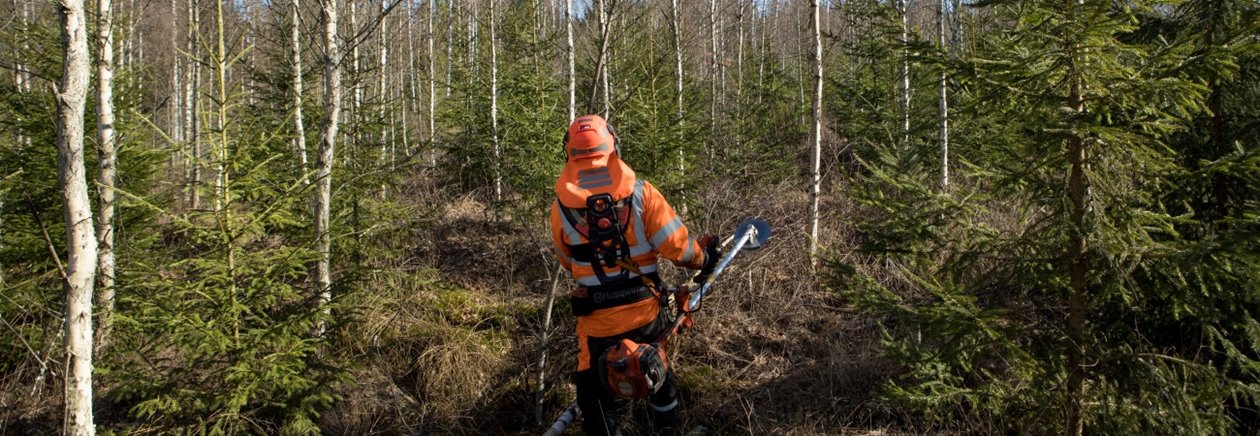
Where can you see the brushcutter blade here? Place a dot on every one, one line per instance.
(760, 233)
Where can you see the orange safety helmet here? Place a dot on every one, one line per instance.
(593, 163)
(590, 137)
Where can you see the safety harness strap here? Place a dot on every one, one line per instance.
(591, 298)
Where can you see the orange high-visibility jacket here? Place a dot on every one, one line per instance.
(653, 230)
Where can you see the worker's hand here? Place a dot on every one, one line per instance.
(709, 244)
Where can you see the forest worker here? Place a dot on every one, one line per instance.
(609, 227)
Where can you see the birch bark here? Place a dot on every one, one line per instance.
(815, 177)
(327, 147)
(107, 164)
(71, 94)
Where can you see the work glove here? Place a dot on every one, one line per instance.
(709, 244)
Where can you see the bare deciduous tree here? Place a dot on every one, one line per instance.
(815, 138)
(494, 109)
(108, 166)
(944, 101)
(568, 26)
(327, 148)
(81, 253)
(299, 130)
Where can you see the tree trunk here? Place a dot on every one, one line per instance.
(192, 97)
(568, 31)
(676, 27)
(432, 81)
(713, 78)
(22, 75)
(541, 379)
(382, 85)
(450, 44)
(71, 94)
(177, 96)
(356, 82)
(944, 101)
(601, 63)
(1078, 252)
(108, 167)
(220, 148)
(295, 40)
(905, 73)
(605, 23)
(494, 109)
(815, 177)
(411, 103)
(327, 146)
(739, 70)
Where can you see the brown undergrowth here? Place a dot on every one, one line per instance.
(448, 340)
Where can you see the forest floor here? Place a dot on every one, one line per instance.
(456, 349)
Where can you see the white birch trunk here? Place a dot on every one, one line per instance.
(108, 166)
(356, 82)
(192, 98)
(905, 73)
(327, 146)
(383, 88)
(713, 77)
(676, 26)
(295, 66)
(568, 29)
(413, 96)
(299, 130)
(739, 70)
(177, 95)
(450, 44)
(944, 100)
(71, 94)
(432, 81)
(815, 177)
(220, 86)
(494, 109)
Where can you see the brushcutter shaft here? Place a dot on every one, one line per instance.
(566, 418)
(749, 233)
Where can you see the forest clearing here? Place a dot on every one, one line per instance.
(502, 216)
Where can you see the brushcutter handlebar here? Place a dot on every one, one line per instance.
(751, 234)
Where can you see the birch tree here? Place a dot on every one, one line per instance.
(676, 28)
(295, 64)
(815, 138)
(177, 96)
(903, 10)
(568, 31)
(944, 102)
(713, 77)
(81, 255)
(192, 108)
(601, 62)
(107, 163)
(432, 77)
(327, 148)
(382, 85)
(494, 109)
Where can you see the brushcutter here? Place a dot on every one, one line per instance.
(751, 234)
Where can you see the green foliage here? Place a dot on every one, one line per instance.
(218, 327)
(972, 284)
